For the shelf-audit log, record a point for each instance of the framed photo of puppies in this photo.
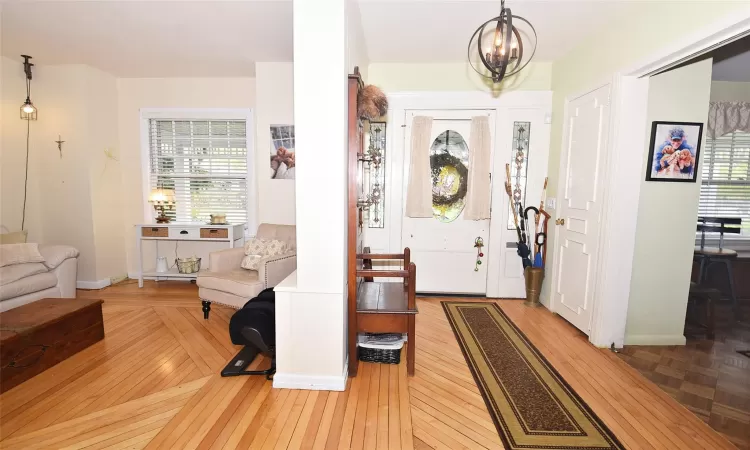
(674, 150)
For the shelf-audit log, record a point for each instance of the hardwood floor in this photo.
(709, 377)
(153, 383)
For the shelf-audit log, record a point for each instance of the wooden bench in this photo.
(388, 307)
(372, 306)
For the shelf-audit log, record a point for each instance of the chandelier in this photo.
(501, 51)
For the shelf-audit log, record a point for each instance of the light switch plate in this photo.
(551, 203)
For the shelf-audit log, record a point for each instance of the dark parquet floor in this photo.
(708, 377)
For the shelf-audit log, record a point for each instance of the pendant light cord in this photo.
(26, 177)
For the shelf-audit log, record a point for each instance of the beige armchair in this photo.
(228, 284)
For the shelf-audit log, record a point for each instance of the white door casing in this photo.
(503, 265)
(444, 252)
(582, 164)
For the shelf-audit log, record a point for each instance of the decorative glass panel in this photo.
(449, 162)
(519, 166)
(376, 158)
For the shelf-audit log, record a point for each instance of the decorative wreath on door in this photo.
(440, 162)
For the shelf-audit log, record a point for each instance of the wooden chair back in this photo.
(721, 225)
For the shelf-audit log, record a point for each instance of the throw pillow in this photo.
(19, 254)
(17, 237)
(257, 249)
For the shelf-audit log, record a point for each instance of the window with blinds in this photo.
(725, 188)
(205, 162)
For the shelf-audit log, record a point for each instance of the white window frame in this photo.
(246, 114)
(731, 241)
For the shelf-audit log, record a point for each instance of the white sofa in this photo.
(57, 281)
(228, 284)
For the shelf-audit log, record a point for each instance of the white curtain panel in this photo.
(478, 189)
(419, 190)
(727, 117)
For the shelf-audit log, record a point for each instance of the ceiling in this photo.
(151, 39)
(132, 38)
(439, 31)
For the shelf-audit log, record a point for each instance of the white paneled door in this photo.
(579, 206)
(442, 246)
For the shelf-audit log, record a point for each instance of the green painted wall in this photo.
(651, 28)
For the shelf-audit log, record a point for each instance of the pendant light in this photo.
(496, 49)
(28, 110)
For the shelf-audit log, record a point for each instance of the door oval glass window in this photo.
(449, 166)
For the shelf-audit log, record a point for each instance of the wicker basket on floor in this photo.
(380, 348)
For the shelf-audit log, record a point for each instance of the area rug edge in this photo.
(483, 391)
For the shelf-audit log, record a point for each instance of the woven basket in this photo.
(389, 353)
(188, 265)
(380, 355)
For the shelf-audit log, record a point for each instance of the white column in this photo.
(311, 304)
(320, 125)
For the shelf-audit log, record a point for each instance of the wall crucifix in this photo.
(59, 142)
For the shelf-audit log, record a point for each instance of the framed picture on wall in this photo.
(282, 152)
(674, 151)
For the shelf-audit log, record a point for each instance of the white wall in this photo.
(356, 47)
(274, 106)
(395, 77)
(91, 200)
(136, 93)
(12, 157)
(67, 202)
(667, 214)
(105, 176)
(730, 91)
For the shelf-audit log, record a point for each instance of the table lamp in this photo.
(163, 200)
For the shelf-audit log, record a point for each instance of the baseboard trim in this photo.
(134, 276)
(656, 339)
(311, 382)
(100, 284)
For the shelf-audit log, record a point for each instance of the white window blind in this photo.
(725, 188)
(205, 162)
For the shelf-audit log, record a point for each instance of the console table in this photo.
(233, 235)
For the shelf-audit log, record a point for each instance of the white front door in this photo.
(586, 125)
(442, 247)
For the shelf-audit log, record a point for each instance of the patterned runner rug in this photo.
(530, 403)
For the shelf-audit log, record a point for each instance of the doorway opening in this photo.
(698, 254)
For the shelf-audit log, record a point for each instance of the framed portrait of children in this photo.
(674, 151)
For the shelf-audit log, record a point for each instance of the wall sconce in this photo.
(28, 110)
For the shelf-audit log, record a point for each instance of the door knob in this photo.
(560, 222)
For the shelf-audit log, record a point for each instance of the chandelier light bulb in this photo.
(28, 108)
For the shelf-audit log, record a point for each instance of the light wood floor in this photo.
(153, 383)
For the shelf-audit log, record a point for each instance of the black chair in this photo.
(708, 256)
(254, 327)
